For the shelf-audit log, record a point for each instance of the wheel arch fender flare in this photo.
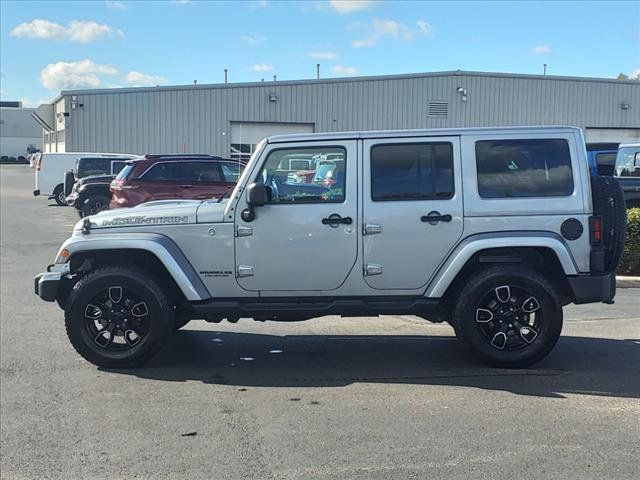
(160, 246)
(471, 245)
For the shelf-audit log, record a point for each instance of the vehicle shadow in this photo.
(577, 365)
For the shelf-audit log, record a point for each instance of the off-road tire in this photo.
(160, 313)
(59, 196)
(608, 201)
(93, 205)
(482, 281)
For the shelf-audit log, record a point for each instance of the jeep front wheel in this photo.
(118, 317)
(509, 316)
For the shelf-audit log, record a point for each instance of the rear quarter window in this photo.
(524, 168)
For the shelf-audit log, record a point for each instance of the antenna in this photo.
(544, 69)
(225, 75)
(318, 71)
(274, 78)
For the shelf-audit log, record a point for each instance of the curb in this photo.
(627, 282)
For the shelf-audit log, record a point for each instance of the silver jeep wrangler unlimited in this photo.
(492, 230)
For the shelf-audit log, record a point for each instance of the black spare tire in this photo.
(608, 202)
(69, 180)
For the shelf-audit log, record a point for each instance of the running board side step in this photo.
(290, 309)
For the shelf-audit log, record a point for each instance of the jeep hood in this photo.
(159, 212)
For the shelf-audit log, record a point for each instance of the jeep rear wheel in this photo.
(117, 317)
(509, 316)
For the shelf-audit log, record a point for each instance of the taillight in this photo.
(595, 230)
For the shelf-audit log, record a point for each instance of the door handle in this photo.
(334, 219)
(435, 217)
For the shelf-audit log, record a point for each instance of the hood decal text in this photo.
(142, 220)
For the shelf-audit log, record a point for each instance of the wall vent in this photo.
(437, 108)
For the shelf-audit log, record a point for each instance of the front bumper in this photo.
(47, 284)
(72, 200)
(593, 288)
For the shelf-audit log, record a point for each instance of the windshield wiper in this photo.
(224, 194)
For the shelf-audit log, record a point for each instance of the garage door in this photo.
(246, 135)
(612, 135)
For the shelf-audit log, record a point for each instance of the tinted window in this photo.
(524, 168)
(116, 167)
(183, 172)
(276, 173)
(411, 171)
(93, 166)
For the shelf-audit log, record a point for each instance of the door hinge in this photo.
(242, 231)
(371, 229)
(372, 269)
(245, 271)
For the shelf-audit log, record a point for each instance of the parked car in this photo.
(89, 191)
(168, 177)
(627, 172)
(493, 230)
(602, 158)
(50, 172)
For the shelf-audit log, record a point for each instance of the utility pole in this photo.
(544, 68)
(225, 75)
(318, 71)
(274, 78)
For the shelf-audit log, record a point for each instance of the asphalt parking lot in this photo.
(331, 398)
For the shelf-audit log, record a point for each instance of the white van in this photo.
(50, 170)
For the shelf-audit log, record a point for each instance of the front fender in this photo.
(475, 243)
(161, 246)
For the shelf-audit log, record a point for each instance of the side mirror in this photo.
(257, 195)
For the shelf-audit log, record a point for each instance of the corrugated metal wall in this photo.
(197, 119)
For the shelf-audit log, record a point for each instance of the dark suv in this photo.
(177, 176)
(88, 188)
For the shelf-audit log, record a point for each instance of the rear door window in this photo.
(93, 166)
(412, 171)
(524, 168)
(189, 172)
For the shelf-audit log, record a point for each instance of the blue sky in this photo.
(47, 46)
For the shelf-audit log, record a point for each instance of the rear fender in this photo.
(475, 243)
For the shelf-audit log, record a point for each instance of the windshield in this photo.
(628, 162)
(124, 173)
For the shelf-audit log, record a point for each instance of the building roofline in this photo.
(457, 73)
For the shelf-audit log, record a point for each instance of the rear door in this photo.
(205, 179)
(412, 203)
(162, 181)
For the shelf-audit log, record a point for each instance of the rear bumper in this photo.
(593, 288)
(47, 284)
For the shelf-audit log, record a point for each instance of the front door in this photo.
(305, 238)
(412, 203)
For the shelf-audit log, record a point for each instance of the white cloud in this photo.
(28, 103)
(635, 74)
(67, 75)
(379, 29)
(253, 38)
(345, 7)
(139, 79)
(116, 5)
(424, 27)
(85, 31)
(324, 55)
(81, 31)
(40, 29)
(342, 70)
(261, 67)
(541, 50)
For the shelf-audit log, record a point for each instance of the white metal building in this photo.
(18, 131)
(229, 119)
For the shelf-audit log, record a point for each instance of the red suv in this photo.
(168, 177)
